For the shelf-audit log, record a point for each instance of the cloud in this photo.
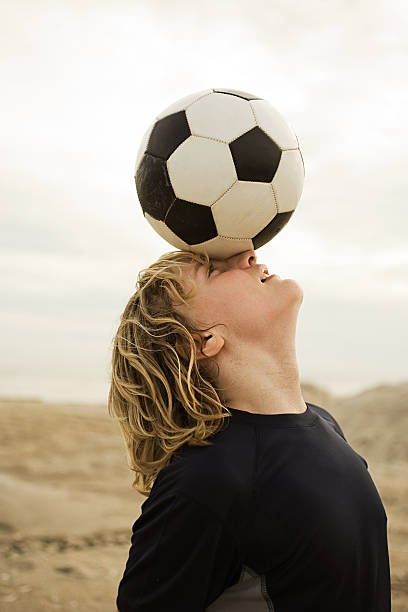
(83, 82)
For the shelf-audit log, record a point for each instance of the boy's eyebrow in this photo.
(199, 265)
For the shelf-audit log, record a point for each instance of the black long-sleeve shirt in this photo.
(280, 514)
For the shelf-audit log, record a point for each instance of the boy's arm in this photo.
(181, 558)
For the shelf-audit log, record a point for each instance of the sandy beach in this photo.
(67, 505)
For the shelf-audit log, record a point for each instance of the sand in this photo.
(67, 505)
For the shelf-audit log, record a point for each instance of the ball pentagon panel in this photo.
(236, 92)
(256, 156)
(153, 186)
(167, 134)
(220, 116)
(191, 222)
(201, 170)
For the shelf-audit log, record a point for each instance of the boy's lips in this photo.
(268, 277)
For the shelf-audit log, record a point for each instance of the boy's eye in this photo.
(210, 269)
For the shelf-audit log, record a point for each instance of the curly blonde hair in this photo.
(162, 397)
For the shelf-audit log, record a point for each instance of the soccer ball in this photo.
(219, 171)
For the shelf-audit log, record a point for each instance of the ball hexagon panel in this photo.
(244, 210)
(222, 247)
(273, 124)
(165, 232)
(256, 156)
(195, 160)
(193, 223)
(220, 116)
(303, 163)
(153, 186)
(288, 180)
(268, 232)
(183, 103)
(167, 134)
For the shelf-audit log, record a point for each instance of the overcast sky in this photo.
(81, 82)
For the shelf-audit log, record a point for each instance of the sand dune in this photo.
(67, 505)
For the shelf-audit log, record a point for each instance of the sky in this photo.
(82, 81)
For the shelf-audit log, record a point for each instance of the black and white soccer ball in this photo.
(219, 171)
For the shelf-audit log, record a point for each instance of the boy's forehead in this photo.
(192, 271)
(195, 269)
(197, 266)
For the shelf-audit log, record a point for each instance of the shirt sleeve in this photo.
(181, 558)
(329, 417)
(339, 430)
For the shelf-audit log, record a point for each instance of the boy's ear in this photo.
(209, 346)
